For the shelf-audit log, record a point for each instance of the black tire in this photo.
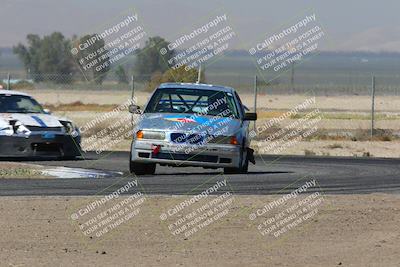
(244, 166)
(142, 168)
(69, 158)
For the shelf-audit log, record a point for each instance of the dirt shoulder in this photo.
(333, 148)
(351, 230)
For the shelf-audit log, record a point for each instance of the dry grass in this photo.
(334, 146)
(79, 106)
(350, 116)
(10, 170)
(308, 152)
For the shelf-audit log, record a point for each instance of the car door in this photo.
(245, 124)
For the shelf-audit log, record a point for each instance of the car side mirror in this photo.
(47, 111)
(250, 117)
(134, 109)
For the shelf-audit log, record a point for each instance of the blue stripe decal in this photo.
(39, 120)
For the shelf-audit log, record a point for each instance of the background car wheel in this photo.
(69, 158)
(142, 168)
(244, 164)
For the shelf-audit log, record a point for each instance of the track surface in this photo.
(271, 175)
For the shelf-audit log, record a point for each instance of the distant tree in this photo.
(99, 70)
(48, 58)
(55, 57)
(179, 75)
(30, 55)
(149, 59)
(121, 75)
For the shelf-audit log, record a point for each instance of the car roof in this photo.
(201, 86)
(11, 92)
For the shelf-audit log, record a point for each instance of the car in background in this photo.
(190, 124)
(28, 130)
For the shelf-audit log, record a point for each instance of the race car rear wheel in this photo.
(142, 168)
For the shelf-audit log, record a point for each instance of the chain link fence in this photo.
(284, 84)
(345, 101)
(349, 102)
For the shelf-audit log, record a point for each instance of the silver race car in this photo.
(27, 130)
(186, 124)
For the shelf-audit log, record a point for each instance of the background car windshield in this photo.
(19, 104)
(206, 102)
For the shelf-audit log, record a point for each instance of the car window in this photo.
(240, 104)
(206, 102)
(19, 104)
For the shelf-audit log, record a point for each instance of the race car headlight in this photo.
(153, 135)
(70, 128)
(19, 128)
(8, 130)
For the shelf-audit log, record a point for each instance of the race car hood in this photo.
(189, 122)
(31, 119)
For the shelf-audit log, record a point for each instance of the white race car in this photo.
(187, 124)
(28, 130)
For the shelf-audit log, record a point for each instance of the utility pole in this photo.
(133, 86)
(132, 98)
(199, 75)
(292, 77)
(8, 81)
(255, 98)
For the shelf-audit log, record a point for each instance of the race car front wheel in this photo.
(142, 168)
(244, 164)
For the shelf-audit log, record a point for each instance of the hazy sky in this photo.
(350, 25)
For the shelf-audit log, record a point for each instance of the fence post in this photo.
(132, 98)
(133, 87)
(255, 98)
(8, 81)
(292, 77)
(372, 104)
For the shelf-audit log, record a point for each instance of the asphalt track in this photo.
(271, 175)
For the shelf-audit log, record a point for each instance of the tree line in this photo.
(49, 58)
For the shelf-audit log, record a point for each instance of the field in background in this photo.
(341, 82)
(320, 74)
(343, 131)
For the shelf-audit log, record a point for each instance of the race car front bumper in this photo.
(40, 146)
(167, 153)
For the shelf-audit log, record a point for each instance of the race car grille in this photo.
(44, 147)
(186, 157)
(178, 137)
(44, 129)
(183, 138)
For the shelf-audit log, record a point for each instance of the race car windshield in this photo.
(204, 102)
(19, 104)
